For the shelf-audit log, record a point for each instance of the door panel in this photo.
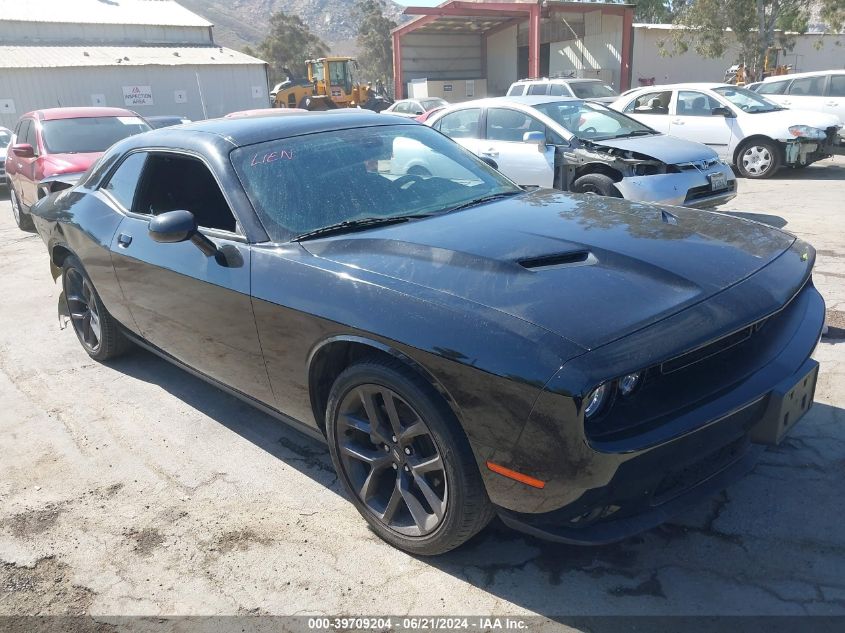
(694, 121)
(805, 93)
(834, 102)
(520, 161)
(192, 306)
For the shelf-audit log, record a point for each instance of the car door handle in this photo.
(124, 240)
(832, 103)
(786, 102)
(677, 122)
(491, 153)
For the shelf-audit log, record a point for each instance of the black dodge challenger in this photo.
(583, 367)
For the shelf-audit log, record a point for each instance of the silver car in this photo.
(5, 141)
(584, 147)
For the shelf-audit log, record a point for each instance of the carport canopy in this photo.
(456, 17)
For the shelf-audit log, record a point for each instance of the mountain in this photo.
(238, 23)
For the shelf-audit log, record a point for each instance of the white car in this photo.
(5, 141)
(412, 108)
(578, 146)
(747, 130)
(589, 89)
(822, 91)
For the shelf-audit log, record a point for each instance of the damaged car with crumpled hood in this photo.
(579, 146)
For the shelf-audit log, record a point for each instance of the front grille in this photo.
(704, 191)
(700, 165)
(677, 482)
(711, 349)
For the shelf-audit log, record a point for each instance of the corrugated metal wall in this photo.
(225, 88)
(135, 34)
(441, 56)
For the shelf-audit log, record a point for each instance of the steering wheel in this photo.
(403, 182)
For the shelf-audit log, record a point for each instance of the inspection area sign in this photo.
(137, 95)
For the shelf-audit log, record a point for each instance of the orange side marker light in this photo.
(512, 474)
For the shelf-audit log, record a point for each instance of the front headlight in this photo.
(595, 400)
(627, 384)
(805, 131)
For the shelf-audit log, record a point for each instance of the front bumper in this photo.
(690, 188)
(664, 481)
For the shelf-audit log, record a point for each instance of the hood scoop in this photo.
(558, 260)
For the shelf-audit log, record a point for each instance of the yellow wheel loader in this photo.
(332, 83)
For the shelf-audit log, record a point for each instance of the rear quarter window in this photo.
(516, 90)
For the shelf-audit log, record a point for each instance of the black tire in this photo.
(758, 159)
(464, 508)
(596, 183)
(22, 218)
(97, 331)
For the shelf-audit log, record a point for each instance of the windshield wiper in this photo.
(482, 200)
(633, 133)
(348, 226)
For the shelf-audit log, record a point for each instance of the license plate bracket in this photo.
(788, 403)
(718, 181)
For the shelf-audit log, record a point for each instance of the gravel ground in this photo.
(134, 488)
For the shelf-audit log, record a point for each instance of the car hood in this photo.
(69, 163)
(669, 149)
(590, 269)
(786, 118)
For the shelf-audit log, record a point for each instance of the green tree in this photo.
(653, 11)
(755, 26)
(375, 44)
(288, 44)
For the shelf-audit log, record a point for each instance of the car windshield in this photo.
(430, 104)
(592, 121)
(5, 138)
(592, 89)
(89, 134)
(746, 100)
(302, 184)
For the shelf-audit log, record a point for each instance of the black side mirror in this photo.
(489, 161)
(179, 226)
(419, 112)
(722, 111)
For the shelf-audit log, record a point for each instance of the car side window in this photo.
(538, 89)
(30, 136)
(173, 182)
(124, 181)
(516, 90)
(772, 87)
(510, 125)
(401, 108)
(651, 103)
(807, 86)
(837, 86)
(461, 124)
(20, 131)
(558, 90)
(691, 103)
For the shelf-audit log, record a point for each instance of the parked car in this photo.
(590, 89)
(165, 120)
(579, 146)
(412, 108)
(5, 141)
(747, 130)
(52, 148)
(822, 91)
(582, 366)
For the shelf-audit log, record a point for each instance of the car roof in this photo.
(247, 130)
(559, 80)
(51, 114)
(701, 85)
(529, 100)
(811, 73)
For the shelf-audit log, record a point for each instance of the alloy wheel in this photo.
(757, 160)
(391, 460)
(82, 306)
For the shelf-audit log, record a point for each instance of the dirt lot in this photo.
(135, 488)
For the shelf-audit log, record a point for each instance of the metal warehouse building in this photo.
(473, 49)
(152, 56)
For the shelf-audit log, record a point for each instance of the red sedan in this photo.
(52, 148)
